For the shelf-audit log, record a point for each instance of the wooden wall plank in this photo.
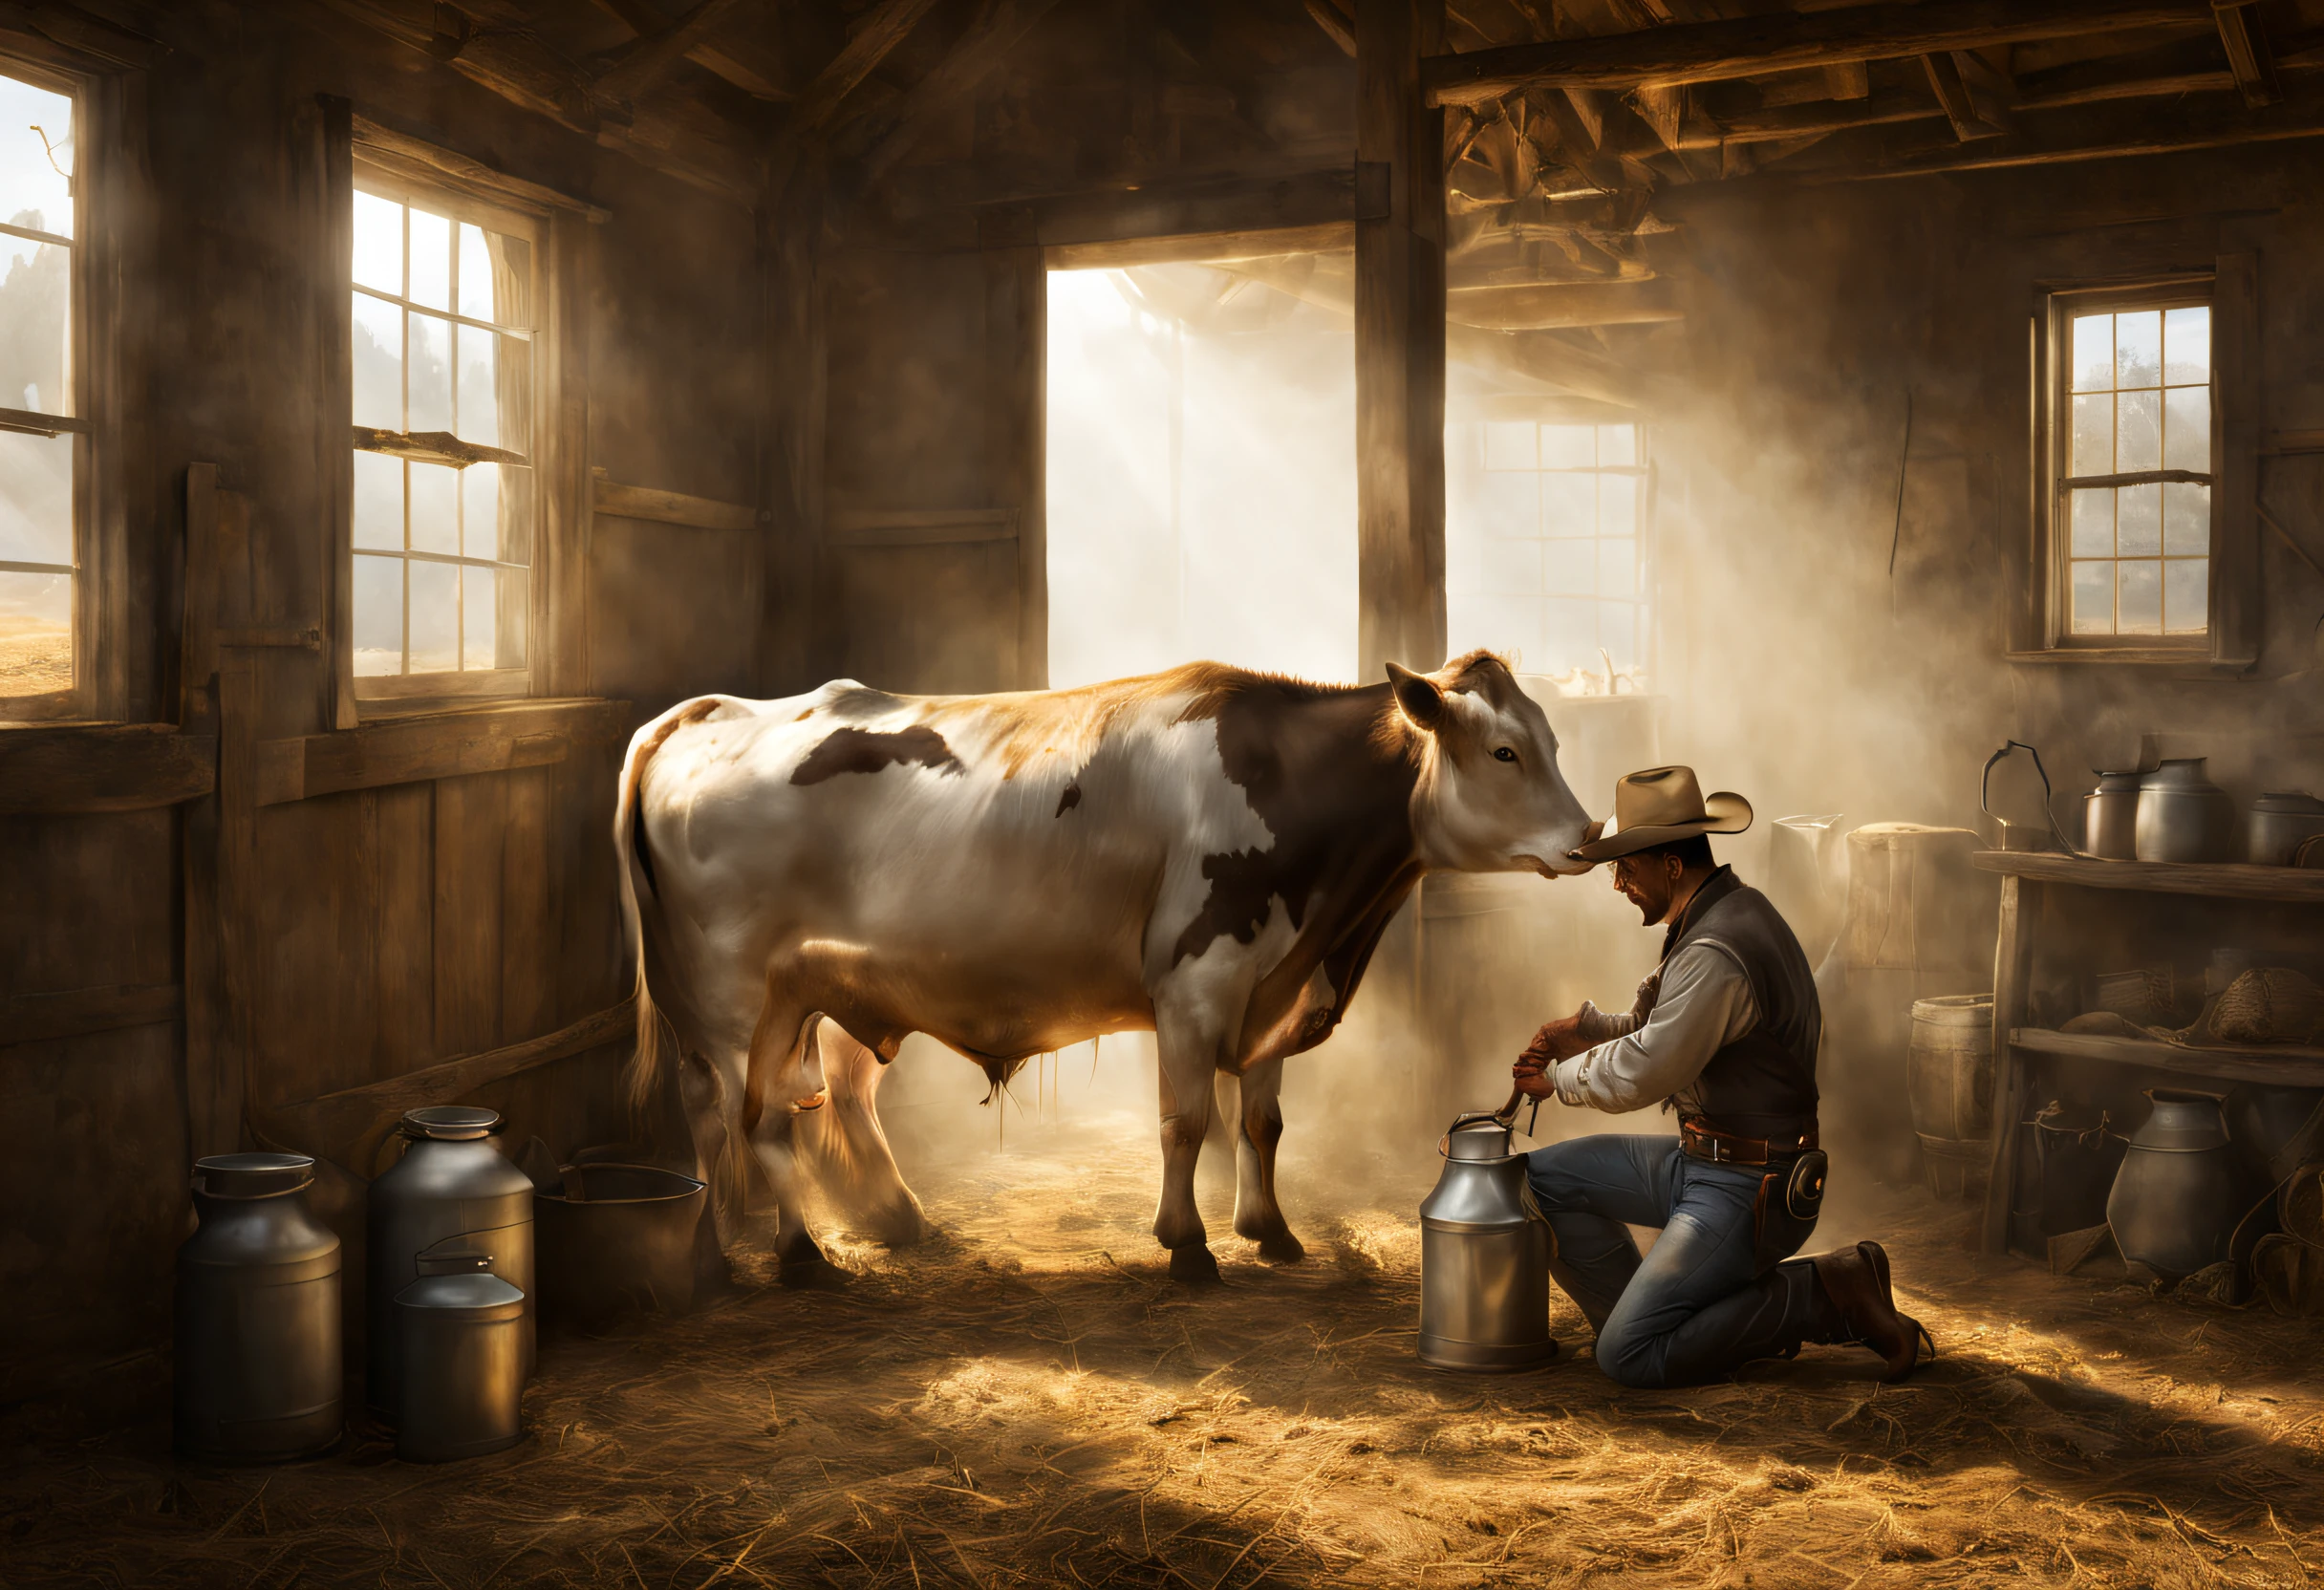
(404, 850)
(319, 938)
(529, 930)
(471, 818)
(85, 902)
(1016, 359)
(41, 1017)
(103, 767)
(669, 507)
(529, 734)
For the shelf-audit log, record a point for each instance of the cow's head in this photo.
(1489, 797)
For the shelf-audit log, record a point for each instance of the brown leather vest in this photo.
(1762, 1084)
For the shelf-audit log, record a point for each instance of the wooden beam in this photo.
(1947, 80)
(858, 58)
(433, 447)
(493, 740)
(1744, 46)
(83, 31)
(349, 1127)
(1537, 306)
(893, 129)
(1848, 80)
(1208, 248)
(44, 1018)
(425, 151)
(1225, 207)
(646, 60)
(669, 507)
(1400, 342)
(2247, 54)
(2109, 133)
(1335, 27)
(1815, 120)
(739, 60)
(103, 767)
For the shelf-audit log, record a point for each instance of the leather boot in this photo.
(1856, 1281)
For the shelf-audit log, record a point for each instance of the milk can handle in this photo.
(2049, 796)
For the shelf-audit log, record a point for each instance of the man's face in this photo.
(1649, 882)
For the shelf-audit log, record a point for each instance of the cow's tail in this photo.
(657, 1038)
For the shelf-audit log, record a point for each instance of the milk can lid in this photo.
(474, 1294)
(251, 1175)
(450, 1123)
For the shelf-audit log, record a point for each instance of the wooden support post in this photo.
(2013, 980)
(1016, 337)
(1400, 341)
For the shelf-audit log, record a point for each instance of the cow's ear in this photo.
(1421, 697)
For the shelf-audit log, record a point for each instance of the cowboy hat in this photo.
(1662, 805)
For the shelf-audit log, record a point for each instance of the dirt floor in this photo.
(1027, 1400)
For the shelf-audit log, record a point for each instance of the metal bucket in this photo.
(2174, 1201)
(258, 1377)
(460, 1338)
(452, 1189)
(1484, 1256)
(615, 1239)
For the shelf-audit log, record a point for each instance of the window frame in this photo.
(375, 692)
(2042, 629)
(97, 609)
(2179, 291)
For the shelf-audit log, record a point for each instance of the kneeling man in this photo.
(1725, 1031)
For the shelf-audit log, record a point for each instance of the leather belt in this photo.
(1727, 1147)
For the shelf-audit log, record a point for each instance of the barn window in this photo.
(1544, 539)
(444, 506)
(43, 442)
(2131, 517)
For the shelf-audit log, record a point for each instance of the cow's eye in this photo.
(1504, 754)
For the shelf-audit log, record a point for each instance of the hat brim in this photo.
(1723, 812)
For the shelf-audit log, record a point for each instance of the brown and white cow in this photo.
(1210, 854)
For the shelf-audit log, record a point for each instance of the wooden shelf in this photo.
(2283, 1066)
(2216, 880)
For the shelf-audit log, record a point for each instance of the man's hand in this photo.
(1558, 1040)
(1531, 1081)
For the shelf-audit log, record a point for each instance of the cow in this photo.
(1208, 852)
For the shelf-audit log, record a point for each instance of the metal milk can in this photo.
(258, 1371)
(461, 1341)
(2174, 1202)
(450, 1190)
(1484, 1256)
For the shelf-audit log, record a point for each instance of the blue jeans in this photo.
(1714, 1292)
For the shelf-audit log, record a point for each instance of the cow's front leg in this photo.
(1258, 1129)
(1190, 1056)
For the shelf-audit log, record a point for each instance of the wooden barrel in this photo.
(1949, 1070)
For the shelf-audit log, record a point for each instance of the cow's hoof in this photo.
(1193, 1265)
(1280, 1247)
(812, 1275)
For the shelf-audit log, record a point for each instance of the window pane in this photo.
(1509, 444)
(2094, 523)
(36, 189)
(475, 273)
(1616, 444)
(435, 489)
(2138, 598)
(1513, 568)
(1569, 504)
(480, 410)
(430, 260)
(36, 318)
(1510, 624)
(1510, 503)
(2093, 436)
(2186, 428)
(35, 498)
(2186, 344)
(1617, 504)
(1569, 636)
(2092, 353)
(479, 616)
(2186, 520)
(378, 364)
(2137, 349)
(2186, 595)
(2093, 612)
(480, 511)
(379, 502)
(1617, 632)
(1569, 447)
(1572, 568)
(35, 634)
(378, 243)
(1618, 568)
(2138, 442)
(434, 617)
(379, 616)
(429, 403)
(2138, 527)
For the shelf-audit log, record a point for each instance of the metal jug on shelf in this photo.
(2110, 816)
(2010, 833)
(450, 1190)
(2174, 1202)
(258, 1375)
(2184, 816)
(1484, 1254)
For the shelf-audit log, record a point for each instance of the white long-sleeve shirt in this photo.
(1705, 1003)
